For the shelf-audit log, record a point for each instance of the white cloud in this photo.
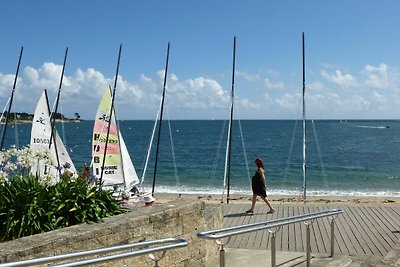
(205, 97)
(380, 77)
(248, 76)
(271, 85)
(344, 80)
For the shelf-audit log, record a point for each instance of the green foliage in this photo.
(28, 207)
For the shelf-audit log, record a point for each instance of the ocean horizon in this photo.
(349, 158)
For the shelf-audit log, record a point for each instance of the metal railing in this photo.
(169, 243)
(273, 227)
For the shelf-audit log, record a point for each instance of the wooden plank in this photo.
(370, 232)
(248, 239)
(345, 241)
(392, 224)
(292, 230)
(362, 229)
(353, 222)
(239, 220)
(299, 231)
(381, 225)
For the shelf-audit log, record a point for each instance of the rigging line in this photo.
(4, 110)
(111, 113)
(226, 160)
(149, 147)
(53, 118)
(119, 137)
(16, 128)
(173, 150)
(285, 174)
(320, 156)
(11, 100)
(62, 127)
(287, 167)
(244, 148)
(103, 125)
(160, 122)
(216, 159)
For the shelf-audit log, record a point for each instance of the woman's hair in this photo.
(260, 163)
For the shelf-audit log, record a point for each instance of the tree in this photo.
(77, 116)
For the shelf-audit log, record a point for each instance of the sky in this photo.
(352, 57)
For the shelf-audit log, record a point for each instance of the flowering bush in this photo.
(16, 162)
(30, 205)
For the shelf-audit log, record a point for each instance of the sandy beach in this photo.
(246, 199)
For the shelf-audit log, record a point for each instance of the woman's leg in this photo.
(271, 209)
(253, 202)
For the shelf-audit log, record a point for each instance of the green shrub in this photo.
(28, 207)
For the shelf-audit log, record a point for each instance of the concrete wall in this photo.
(178, 218)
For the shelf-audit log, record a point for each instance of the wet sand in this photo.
(246, 199)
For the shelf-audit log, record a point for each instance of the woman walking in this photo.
(259, 188)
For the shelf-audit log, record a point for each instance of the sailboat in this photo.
(40, 143)
(118, 169)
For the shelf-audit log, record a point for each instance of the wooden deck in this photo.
(362, 229)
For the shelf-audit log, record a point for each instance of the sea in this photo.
(353, 158)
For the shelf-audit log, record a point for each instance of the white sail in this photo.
(118, 166)
(130, 176)
(39, 143)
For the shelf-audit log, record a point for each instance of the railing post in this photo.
(308, 245)
(273, 250)
(221, 256)
(332, 236)
(157, 258)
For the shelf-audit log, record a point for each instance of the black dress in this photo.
(257, 185)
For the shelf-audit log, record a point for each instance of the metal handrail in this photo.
(176, 243)
(228, 232)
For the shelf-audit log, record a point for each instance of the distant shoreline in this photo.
(29, 121)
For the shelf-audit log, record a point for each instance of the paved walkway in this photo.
(361, 230)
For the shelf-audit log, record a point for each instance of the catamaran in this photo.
(43, 141)
(118, 169)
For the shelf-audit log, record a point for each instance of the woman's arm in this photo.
(262, 171)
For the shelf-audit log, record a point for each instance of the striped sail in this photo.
(118, 167)
(39, 143)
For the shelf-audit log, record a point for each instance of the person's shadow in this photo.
(235, 215)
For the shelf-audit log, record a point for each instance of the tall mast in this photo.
(119, 141)
(111, 111)
(160, 121)
(11, 99)
(229, 149)
(54, 114)
(304, 123)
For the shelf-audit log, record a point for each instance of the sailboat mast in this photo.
(160, 121)
(119, 142)
(11, 99)
(53, 115)
(304, 123)
(111, 111)
(231, 121)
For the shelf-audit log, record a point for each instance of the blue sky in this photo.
(352, 56)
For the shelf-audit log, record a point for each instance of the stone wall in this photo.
(180, 218)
